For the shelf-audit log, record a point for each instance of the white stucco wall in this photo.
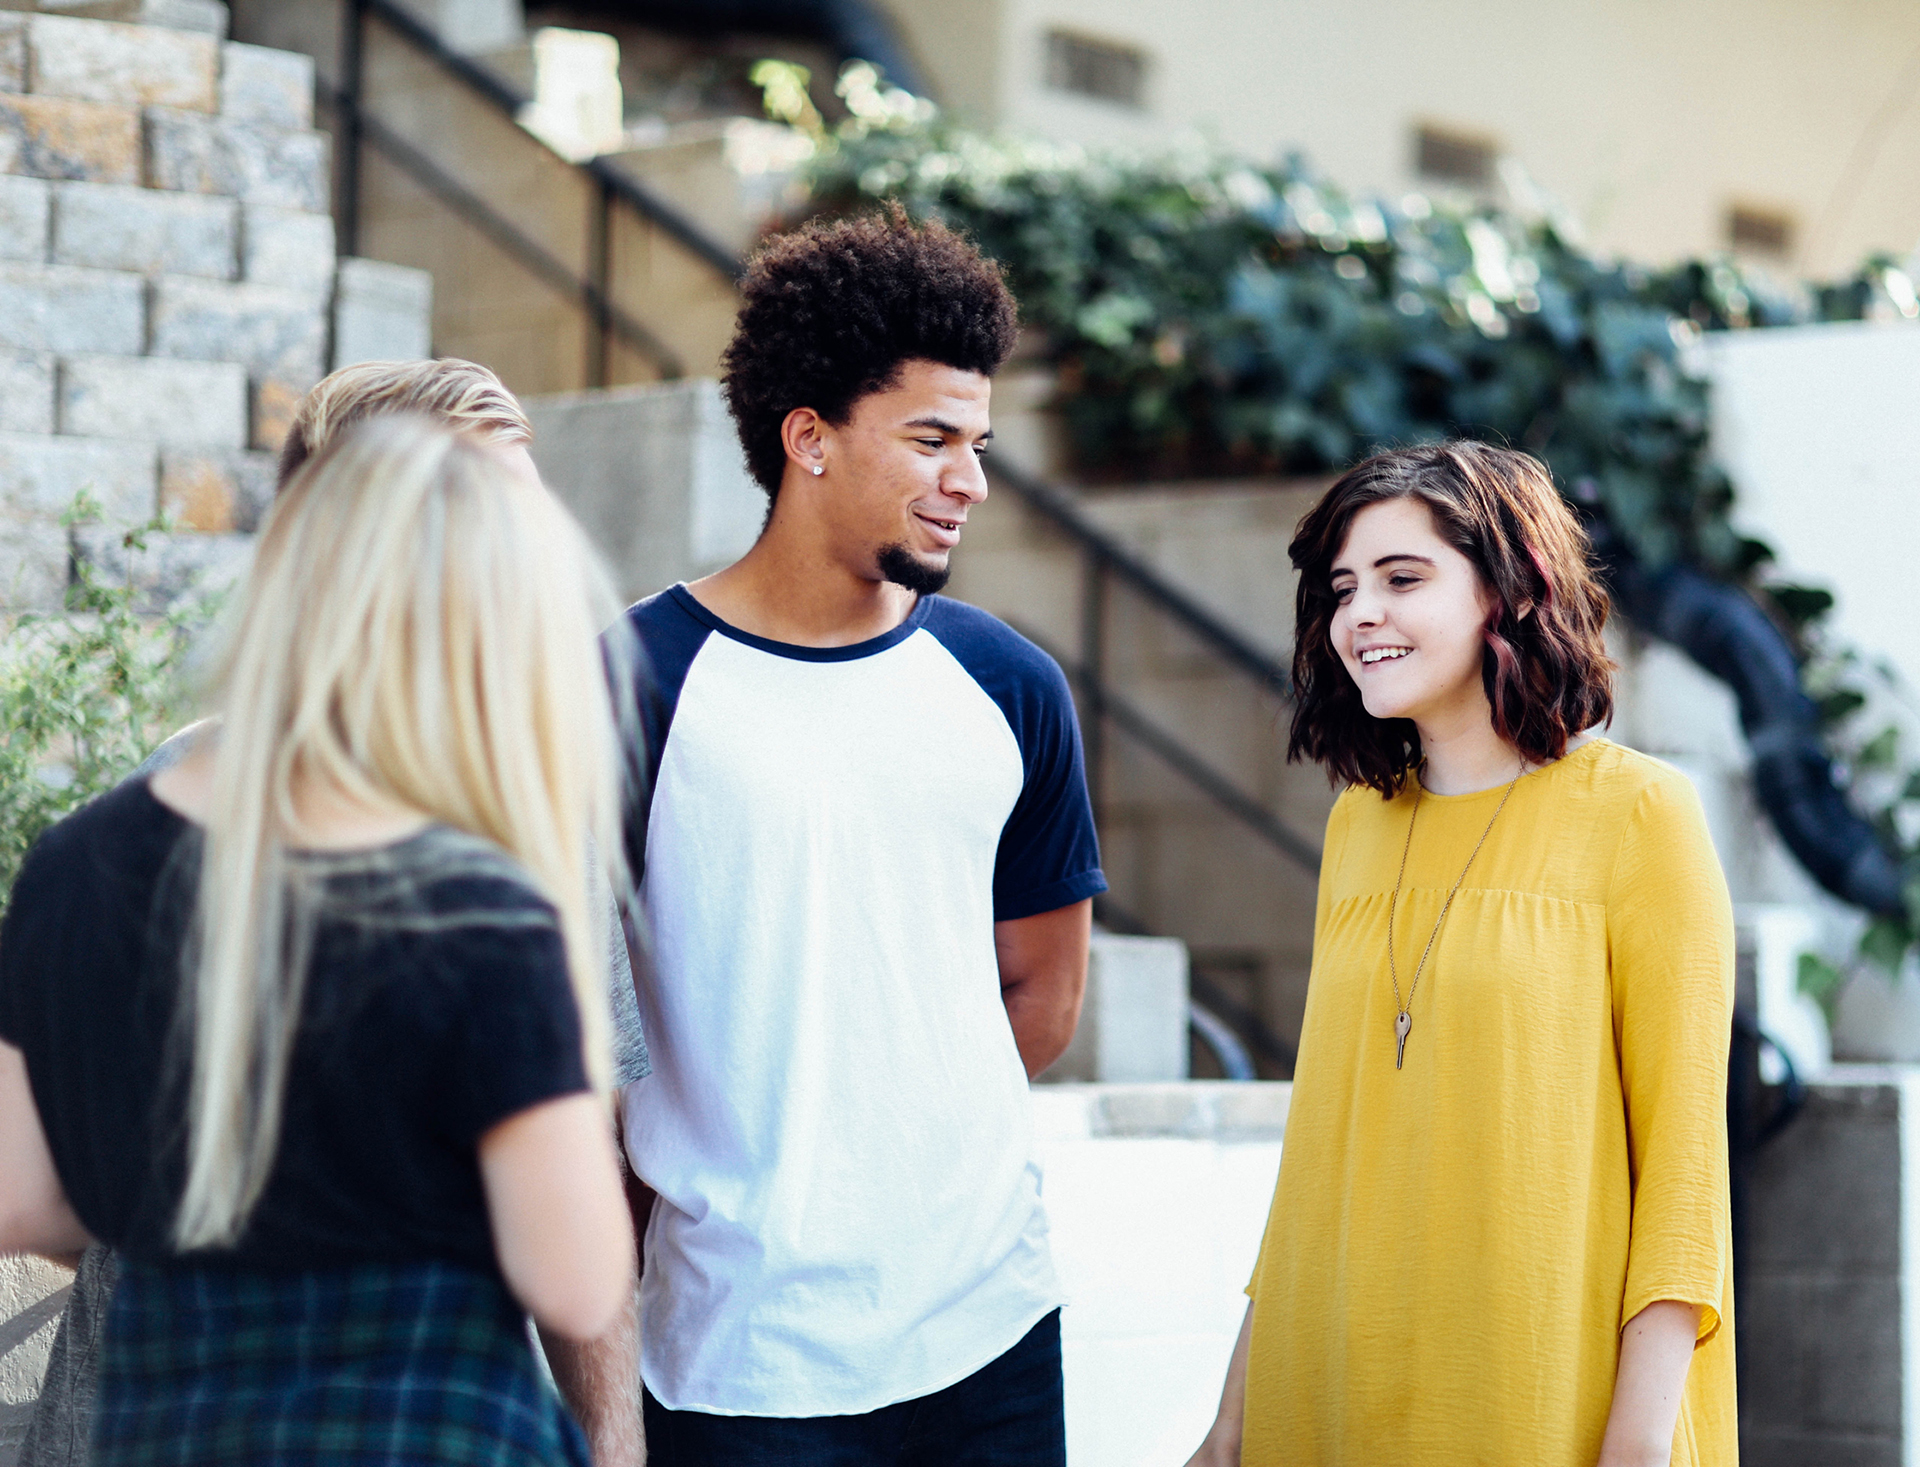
(1647, 120)
(1819, 427)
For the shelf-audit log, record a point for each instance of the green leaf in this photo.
(1885, 943)
(1838, 706)
(1818, 979)
(1881, 751)
(1801, 604)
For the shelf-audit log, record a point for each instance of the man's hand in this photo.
(1043, 977)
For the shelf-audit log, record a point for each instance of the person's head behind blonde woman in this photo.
(418, 634)
(462, 396)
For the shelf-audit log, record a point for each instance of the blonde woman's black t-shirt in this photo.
(436, 1005)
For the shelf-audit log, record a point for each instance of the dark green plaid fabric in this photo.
(387, 1364)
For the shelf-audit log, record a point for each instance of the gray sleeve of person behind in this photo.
(63, 1416)
(630, 1059)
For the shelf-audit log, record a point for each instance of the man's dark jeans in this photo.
(1010, 1413)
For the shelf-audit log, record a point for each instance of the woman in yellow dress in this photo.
(1500, 1233)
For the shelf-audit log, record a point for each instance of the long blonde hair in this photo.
(417, 627)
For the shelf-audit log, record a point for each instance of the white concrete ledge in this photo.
(1194, 1110)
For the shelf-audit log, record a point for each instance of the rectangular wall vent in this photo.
(1104, 69)
(1759, 231)
(1455, 157)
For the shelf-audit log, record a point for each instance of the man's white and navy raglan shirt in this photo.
(838, 1120)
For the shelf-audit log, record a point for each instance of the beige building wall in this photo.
(1649, 121)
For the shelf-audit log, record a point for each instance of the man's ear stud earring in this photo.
(819, 469)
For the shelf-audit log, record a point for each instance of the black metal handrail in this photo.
(494, 89)
(609, 316)
(1058, 506)
(1187, 764)
(608, 185)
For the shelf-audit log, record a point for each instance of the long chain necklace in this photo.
(1402, 1009)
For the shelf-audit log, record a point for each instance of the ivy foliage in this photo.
(1208, 315)
(85, 694)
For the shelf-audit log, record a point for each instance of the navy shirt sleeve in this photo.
(665, 634)
(1049, 853)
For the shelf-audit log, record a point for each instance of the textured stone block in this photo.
(272, 409)
(217, 491)
(272, 88)
(205, 17)
(25, 204)
(13, 53)
(175, 404)
(62, 308)
(114, 227)
(33, 566)
(274, 332)
(216, 155)
(59, 137)
(287, 248)
(102, 61)
(173, 568)
(381, 313)
(39, 476)
(26, 392)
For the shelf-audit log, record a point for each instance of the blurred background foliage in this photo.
(1210, 316)
(86, 693)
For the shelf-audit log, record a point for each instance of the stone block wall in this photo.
(166, 275)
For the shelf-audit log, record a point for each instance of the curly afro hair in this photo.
(831, 311)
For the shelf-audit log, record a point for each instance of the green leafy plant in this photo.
(1204, 314)
(1871, 721)
(85, 694)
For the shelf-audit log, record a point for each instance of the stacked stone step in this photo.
(166, 269)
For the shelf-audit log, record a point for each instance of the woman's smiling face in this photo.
(1410, 624)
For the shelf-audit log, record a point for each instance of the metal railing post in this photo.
(353, 38)
(1093, 674)
(600, 277)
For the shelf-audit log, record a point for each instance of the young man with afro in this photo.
(869, 862)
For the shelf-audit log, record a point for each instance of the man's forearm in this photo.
(600, 1382)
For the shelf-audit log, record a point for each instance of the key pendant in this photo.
(1402, 1026)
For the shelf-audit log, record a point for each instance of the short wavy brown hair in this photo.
(1546, 668)
(829, 313)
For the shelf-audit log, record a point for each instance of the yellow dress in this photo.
(1453, 1247)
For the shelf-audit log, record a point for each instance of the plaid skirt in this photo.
(387, 1364)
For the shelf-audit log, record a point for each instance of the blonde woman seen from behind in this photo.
(595, 1376)
(344, 966)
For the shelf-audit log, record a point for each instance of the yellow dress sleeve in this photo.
(1671, 948)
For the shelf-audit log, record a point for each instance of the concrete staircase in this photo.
(472, 150)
